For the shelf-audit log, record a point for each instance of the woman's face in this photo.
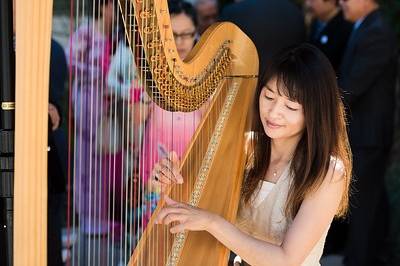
(184, 32)
(280, 117)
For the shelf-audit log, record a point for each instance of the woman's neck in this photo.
(282, 150)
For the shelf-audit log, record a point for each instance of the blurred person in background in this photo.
(329, 31)
(367, 77)
(57, 143)
(207, 13)
(184, 26)
(262, 21)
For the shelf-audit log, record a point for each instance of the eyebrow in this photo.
(271, 90)
(268, 88)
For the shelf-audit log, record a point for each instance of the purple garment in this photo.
(94, 172)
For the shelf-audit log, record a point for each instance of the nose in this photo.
(178, 40)
(275, 109)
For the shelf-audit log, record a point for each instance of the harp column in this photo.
(33, 33)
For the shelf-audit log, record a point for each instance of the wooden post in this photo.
(33, 33)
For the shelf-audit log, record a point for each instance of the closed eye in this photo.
(269, 98)
(291, 109)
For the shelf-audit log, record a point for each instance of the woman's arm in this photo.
(310, 223)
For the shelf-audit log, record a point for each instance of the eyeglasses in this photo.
(184, 36)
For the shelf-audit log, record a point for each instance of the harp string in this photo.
(111, 204)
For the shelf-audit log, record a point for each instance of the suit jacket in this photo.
(270, 24)
(57, 141)
(368, 77)
(332, 39)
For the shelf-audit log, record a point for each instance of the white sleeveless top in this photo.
(265, 217)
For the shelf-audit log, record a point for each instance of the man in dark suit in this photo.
(56, 143)
(367, 78)
(270, 24)
(329, 31)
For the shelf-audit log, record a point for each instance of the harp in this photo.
(221, 70)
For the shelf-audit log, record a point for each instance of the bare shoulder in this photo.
(336, 171)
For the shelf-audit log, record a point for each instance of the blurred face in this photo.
(184, 33)
(281, 117)
(355, 9)
(207, 14)
(321, 9)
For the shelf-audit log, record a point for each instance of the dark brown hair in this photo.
(304, 75)
(177, 7)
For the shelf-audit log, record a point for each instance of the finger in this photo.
(179, 228)
(171, 171)
(168, 172)
(174, 158)
(159, 176)
(174, 217)
(177, 176)
(183, 208)
(163, 178)
(166, 164)
(164, 212)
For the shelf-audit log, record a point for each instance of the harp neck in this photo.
(184, 85)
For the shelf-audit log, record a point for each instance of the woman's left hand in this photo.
(188, 217)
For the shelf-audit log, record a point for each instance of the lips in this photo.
(273, 125)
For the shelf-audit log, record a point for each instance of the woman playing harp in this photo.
(299, 169)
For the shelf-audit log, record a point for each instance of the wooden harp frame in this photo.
(33, 35)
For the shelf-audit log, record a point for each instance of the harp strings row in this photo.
(120, 73)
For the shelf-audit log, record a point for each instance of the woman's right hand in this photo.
(167, 172)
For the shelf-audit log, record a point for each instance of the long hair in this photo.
(304, 75)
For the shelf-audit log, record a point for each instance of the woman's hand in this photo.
(188, 217)
(166, 172)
